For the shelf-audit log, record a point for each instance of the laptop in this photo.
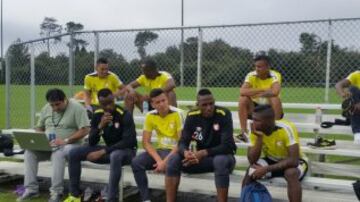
(36, 141)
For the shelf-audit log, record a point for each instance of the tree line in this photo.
(223, 65)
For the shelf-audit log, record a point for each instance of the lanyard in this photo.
(62, 115)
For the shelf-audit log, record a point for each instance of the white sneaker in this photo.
(357, 138)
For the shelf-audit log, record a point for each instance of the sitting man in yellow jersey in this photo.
(166, 121)
(101, 78)
(150, 79)
(261, 86)
(350, 88)
(279, 143)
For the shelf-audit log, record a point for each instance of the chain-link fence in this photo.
(311, 56)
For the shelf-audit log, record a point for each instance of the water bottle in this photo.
(52, 136)
(318, 115)
(193, 146)
(145, 107)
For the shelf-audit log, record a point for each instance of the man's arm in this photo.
(96, 129)
(273, 91)
(128, 134)
(226, 145)
(254, 152)
(185, 137)
(173, 151)
(87, 98)
(146, 141)
(291, 161)
(341, 86)
(247, 90)
(170, 85)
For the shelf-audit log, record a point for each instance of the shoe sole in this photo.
(324, 147)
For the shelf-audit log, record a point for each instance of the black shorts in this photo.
(302, 167)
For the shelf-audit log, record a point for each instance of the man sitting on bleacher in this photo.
(117, 128)
(261, 86)
(166, 121)
(208, 131)
(279, 143)
(67, 120)
(349, 88)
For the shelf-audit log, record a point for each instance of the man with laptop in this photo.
(66, 123)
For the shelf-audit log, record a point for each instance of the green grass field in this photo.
(20, 99)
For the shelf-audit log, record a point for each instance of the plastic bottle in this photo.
(193, 146)
(318, 115)
(145, 107)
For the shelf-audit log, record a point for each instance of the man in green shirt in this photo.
(68, 120)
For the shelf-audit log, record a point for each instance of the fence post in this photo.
(96, 51)
(199, 60)
(182, 58)
(71, 64)
(328, 62)
(32, 86)
(7, 89)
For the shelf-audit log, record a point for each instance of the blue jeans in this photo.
(355, 118)
(117, 159)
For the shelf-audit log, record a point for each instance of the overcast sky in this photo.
(22, 17)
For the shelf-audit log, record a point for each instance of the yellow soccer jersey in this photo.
(354, 78)
(159, 82)
(93, 83)
(275, 146)
(257, 83)
(166, 127)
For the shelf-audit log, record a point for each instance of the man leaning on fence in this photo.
(68, 120)
(349, 89)
(117, 128)
(282, 156)
(166, 121)
(208, 131)
(261, 86)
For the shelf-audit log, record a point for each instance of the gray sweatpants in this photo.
(58, 162)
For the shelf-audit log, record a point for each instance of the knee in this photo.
(75, 154)
(136, 164)
(173, 165)
(223, 164)
(244, 101)
(291, 174)
(116, 156)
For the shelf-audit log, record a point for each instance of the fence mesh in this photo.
(299, 51)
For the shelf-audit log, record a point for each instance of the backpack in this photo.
(6, 145)
(255, 192)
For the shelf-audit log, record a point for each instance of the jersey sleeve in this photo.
(353, 77)
(116, 81)
(87, 83)
(292, 135)
(253, 139)
(277, 77)
(179, 122)
(148, 125)
(141, 80)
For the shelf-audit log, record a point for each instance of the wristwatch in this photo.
(66, 140)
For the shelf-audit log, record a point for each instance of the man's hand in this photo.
(259, 172)
(201, 154)
(189, 159)
(57, 142)
(93, 156)
(345, 94)
(357, 108)
(105, 119)
(160, 166)
(256, 132)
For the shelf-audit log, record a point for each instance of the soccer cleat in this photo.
(322, 143)
(71, 198)
(242, 137)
